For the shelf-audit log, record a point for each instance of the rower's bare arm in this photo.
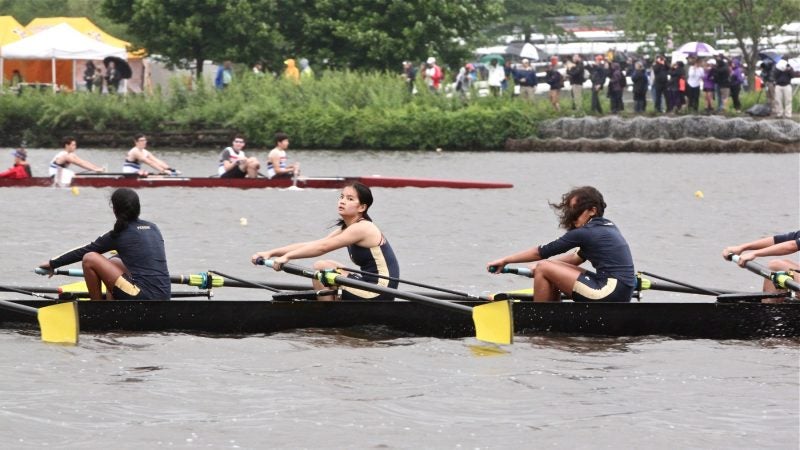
(784, 248)
(529, 255)
(334, 241)
(75, 159)
(755, 245)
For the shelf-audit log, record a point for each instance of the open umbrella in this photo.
(487, 59)
(697, 49)
(770, 54)
(120, 64)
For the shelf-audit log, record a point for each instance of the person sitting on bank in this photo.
(59, 165)
(139, 155)
(21, 168)
(277, 167)
(139, 269)
(778, 245)
(233, 163)
(598, 240)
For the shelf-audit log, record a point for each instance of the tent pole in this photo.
(53, 73)
(2, 72)
(74, 76)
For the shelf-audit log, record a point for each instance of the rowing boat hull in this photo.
(689, 320)
(117, 181)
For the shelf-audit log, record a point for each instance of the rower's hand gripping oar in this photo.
(493, 321)
(521, 271)
(781, 280)
(58, 323)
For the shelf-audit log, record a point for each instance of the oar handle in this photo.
(781, 280)
(67, 272)
(521, 271)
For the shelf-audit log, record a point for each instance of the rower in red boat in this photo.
(139, 269)
(21, 168)
(233, 163)
(59, 165)
(778, 245)
(598, 240)
(365, 243)
(139, 155)
(277, 166)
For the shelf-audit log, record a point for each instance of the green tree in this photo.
(379, 34)
(748, 21)
(539, 16)
(196, 30)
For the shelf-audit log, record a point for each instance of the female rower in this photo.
(598, 240)
(778, 245)
(59, 165)
(365, 243)
(139, 155)
(139, 269)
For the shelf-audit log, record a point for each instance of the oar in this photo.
(521, 271)
(200, 280)
(678, 286)
(781, 280)
(426, 286)
(493, 321)
(58, 323)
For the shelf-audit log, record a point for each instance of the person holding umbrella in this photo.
(117, 69)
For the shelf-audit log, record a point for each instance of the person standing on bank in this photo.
(139, 269)
(277, 167)
(233, 163)
(365, 243)
(139, 155)
(598, 240)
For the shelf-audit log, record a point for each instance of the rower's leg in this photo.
(318, 286)
(552, 277)
(781, 265)
(97, 269)
(252, 167)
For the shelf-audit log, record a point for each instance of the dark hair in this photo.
(67, 140)
(238, 136)
(586, 197)
(364, 198)
(138, 136)
(126, 208)
(280, 136)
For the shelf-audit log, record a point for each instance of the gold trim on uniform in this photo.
(126, 286)
(595, 294)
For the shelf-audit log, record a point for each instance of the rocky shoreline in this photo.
(685, 134)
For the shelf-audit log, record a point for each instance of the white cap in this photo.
(431, 60)
(525, 61)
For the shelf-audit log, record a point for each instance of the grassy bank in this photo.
(340, 110)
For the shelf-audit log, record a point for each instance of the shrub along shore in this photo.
(340, 110)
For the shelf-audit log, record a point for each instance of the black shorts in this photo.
(590, 287)
(349, 293)
(283, 175)
(234, 172)
(126, 289)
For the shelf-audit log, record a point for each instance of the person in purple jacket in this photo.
(778, 245)
(737, 80)
(708, 85)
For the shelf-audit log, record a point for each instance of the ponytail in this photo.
(126, 208)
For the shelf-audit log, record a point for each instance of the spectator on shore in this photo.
(616, 86)
(433, 75)
(525, 78)
(709, 86)
(88, 75)
(306, 72)
(291, 73)
(694, 80)
(464, 80)
(676, 78)
(599, 73)
(507, 70)
(783, 75)
(768, 82)
(224, 75)
(496, 76)
(576, 77)
(113, 77)
(409, 75)
(556, 82)
(258, 69)
(639, 80)
(722, 80)
(737, 81)
(660, 80)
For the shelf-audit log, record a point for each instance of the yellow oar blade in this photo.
(80, 286)
(494, 322)
(59, 323)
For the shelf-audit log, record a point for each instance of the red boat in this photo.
(133, 181)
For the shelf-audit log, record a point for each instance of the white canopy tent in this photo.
(59, 42)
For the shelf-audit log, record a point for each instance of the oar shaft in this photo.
(521, 271)
(344, 281)
(17, 307)
(781, 280)
(413, 283)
